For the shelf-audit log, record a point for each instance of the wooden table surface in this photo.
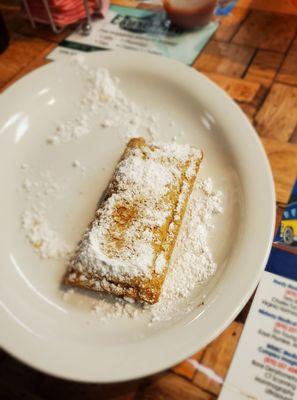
(253, 56)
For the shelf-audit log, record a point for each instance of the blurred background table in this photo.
(253, 56)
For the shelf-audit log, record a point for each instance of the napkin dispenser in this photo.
(61, 13)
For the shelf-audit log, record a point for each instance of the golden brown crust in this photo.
(142, 288)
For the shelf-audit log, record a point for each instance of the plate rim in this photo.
(41, 366)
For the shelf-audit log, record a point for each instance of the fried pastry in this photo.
(127, 247)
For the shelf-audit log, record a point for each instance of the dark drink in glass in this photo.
(190, 14)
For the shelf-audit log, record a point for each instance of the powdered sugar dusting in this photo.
(108, 308)
(39, 194)
(40, 189)
(103, 101)
(160, 263)
(42, 237)
(142, 178)
(192, 263)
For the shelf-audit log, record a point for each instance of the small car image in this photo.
(288, 231)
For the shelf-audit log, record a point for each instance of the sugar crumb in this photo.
(78, 165)
(42, 237)
(66, 294)
(104, 103)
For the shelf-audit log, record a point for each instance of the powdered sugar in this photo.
(39, 194)
(192, 263)
(78, 165)
(142, 182)
(40, 189)
(24, 166)
(108, 308)
(42, 237)
(103, 106)
(67, 294)
(145, 174)
(160, 263)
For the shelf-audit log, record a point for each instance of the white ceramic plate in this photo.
(65, 339)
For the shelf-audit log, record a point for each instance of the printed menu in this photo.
(140, 30)
(265, 363)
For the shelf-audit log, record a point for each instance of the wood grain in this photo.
(44, 32)
(293, 138)
(282, 7)
(276, 6)
(259, 97)
(264, 67)
(36, 63)
(150, 6)
(288, 71)
(267, 31)
(230, 24)
(277, 117)
(244, 4)
(239, 89)
(242, 316)
(20, 53)
(280, 208)
(125, 3)
(217, 357)
(283, 160)
(186, 369)
(224, 58)
(173, 387)
(248, 109)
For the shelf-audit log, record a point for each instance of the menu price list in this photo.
(265, 362)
